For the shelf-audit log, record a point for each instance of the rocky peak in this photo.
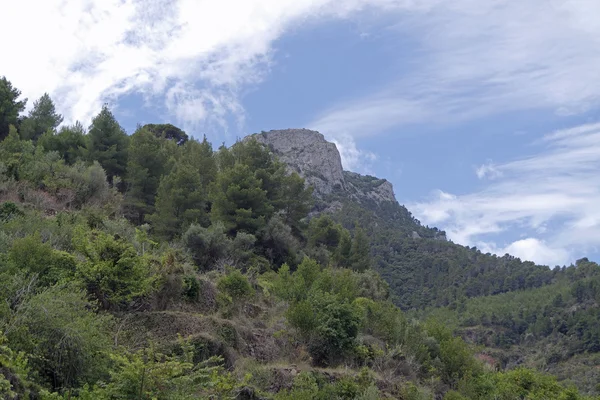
(310, 155)
(319, 163)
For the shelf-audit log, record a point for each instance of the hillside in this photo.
(422, 267)
(153, 266)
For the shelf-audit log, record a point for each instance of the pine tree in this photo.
(182, 197)
(296, 201)
(239, 201)
(42, 118)
(70, 142)
(361, 253)
(147, 163)
(10, 107)
(107, 144)
(343, 254)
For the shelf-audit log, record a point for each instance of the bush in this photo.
(207, 245)
(328, 325)
(112, 272)
(67, 342)
(8, 211)
(235, 285)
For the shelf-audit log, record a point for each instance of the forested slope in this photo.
(152, 266)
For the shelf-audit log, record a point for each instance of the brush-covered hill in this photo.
(153, 266)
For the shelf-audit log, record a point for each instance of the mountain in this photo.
(522, 313)
(422, 267)
(151, 266)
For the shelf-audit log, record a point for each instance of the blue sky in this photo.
(483, 114)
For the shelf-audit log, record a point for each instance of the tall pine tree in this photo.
(183, 193)
(42, 118)
(108, 143)
(147, 163)
(10, 106)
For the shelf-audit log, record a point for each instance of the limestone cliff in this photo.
(319, 163)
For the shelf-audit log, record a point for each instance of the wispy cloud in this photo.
(197, 56)
(478, 58)
(558, 186)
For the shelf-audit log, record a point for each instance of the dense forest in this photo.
(153, 266)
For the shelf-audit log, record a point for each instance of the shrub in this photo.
(112, 271)
(207, 245)
(235, 285)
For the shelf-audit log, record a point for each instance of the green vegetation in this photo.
(151, 266)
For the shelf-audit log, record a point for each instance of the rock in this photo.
(309, 154)
(319, 163)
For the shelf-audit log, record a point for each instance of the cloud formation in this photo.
(558, 186)
(472, 57)
(196, 55)
(479, 58)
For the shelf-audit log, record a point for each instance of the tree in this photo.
(266, 168)
(323, 231)
(107, 144)
(239, 201)
(15, 153)
(343, 253)
(112, 272)
(328, 325)
(296, 201)
(146, 165)
(167, 131)
(66, 340)
(360, 256)
(41, 119)
(10, 107)
(70, 142)
(183, 193)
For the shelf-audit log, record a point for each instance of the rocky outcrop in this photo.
(319, 163)
(310, 155)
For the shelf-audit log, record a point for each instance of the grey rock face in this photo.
(309, 154)
(319, 163)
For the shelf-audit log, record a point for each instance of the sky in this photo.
(484, 114)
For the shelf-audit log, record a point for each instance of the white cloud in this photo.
(353, 159)
(487, 171)
(473, 57)
(558, 186)
(199, 55)
(531, 249)
(478, 58)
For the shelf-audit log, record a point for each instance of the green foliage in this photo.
(13, 372)
(15, 153)
(238, 200)
(167, 131)
(323, 231)
(148, 374)
(76, 256)
(69, 142)
(41, 119)
(32, 256)
(328, 325)
(65, 340)
(112, 271)
(520, 383)
(108, 143)
(207, 245)
(310, 386)
(182, 197)
(10, 106)
(8, 211)
(235, 285)
(146, 164)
